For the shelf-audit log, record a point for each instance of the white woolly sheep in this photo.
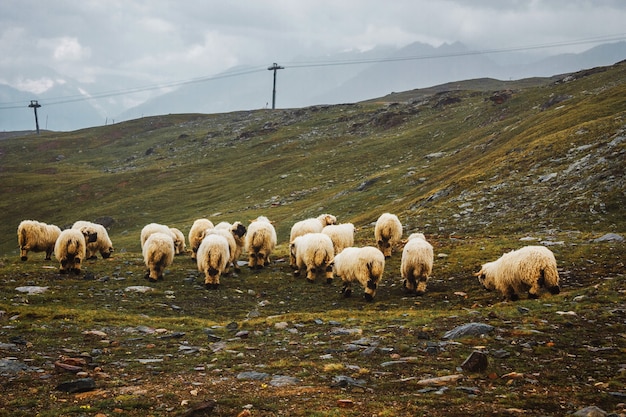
(342, 235)
(196, 234)
(71, 248)
(238, 231)
(102, 245)
(417, 263)
(212, 258)
(179, 241)
(527, 269)
(388, 232)
(158, 253)
(312, 225)
(260, 242)
(154, 228)
(365, 265)
(37, 237)
(314, 254)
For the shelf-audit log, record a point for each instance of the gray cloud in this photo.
(153, 41)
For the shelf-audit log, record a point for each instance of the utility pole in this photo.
(274, 68)
(35, 106)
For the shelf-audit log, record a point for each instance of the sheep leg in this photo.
(421, 286)
(252, 260)
(310, 274)
(511, 294)
(329, 274)
(48, 255)
(347, 289)
(410, 283)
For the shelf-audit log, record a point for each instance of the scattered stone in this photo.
(591, 411)
(469, 390)
(175, 335)
(500, 354)
(32, 289)
(202, 409)
(475, 362)
(438, 381)
(342, 381)
(469, 329)
(78, 385)
(12, 366)
(343, 331)
(256, 376)
(283, 381)
(610, 237)
(138, 288)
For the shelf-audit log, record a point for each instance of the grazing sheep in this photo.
(37, 237)
(71, 248)
(314, 254)
(179, 241)
(154, 228)
(158, 253)
(196, 234)
(238, 231)
(523, 270)
(388, 232)
(342, 235)
(260, 242)
(102, 245)
(312, 225)
(212, 258)
(365, 265)
(417, 263)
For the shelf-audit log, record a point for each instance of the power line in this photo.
(313, 64)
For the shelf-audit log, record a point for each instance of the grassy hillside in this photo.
(481, 167)
(518, 160)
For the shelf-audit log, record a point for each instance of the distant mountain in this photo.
(376, 73)
(69, 113)
(344, 77)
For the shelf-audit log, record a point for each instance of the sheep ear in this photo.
(477, 274)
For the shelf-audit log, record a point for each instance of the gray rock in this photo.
(257, 376)
(592, 411)
(342, 381)
(469, 329)
(610, 237)
(78, 385)
(475, 362)
(283, 381)
(12, 366)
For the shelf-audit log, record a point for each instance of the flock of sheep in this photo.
(318, 247)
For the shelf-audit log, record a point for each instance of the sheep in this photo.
(179, 241)
(71, 248)
(260, 242)
(154, 228)
(37, 237)
(158, 253)
(312, 225)
(212, 258)
(523, 270)
(314, 253)
(388, 232)
(365, 265)
(342, 235)
(102, 245)
(196, 234)
(416, 264)
(238, 232)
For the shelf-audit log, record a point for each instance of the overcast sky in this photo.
(154, 41)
